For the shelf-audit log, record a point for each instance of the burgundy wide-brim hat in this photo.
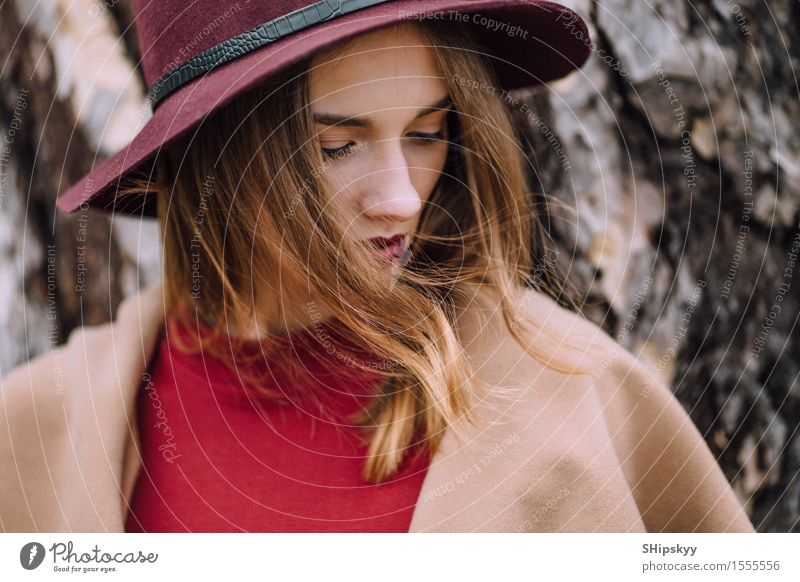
(197, 55)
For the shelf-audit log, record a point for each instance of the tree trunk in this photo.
(68, 94)
(676, 144)
(682, 160)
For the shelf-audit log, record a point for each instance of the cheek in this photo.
(426, 165)
(338, 180)
(341, 182)
(427, 169)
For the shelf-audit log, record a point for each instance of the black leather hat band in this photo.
(246, 42)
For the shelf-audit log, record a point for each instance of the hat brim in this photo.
(556, 43)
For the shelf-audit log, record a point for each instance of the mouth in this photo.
(392, 249)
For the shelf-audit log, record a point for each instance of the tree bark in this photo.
(676, 144)
(683, 166)
(68, 94)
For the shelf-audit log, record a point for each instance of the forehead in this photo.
(389, 64)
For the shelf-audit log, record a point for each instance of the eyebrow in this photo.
(351, 121)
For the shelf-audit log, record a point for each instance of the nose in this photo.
(391, 194)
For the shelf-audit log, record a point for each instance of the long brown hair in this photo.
(243, 196)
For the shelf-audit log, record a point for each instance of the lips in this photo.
(390, 247)
(383, 242)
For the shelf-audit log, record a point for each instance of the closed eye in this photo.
(420, 137)
(337, 152)
(429, 137)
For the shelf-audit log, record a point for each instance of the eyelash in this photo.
(425, 138)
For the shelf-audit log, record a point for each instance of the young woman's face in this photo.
(380, 113)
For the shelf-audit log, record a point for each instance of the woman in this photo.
(295, 374)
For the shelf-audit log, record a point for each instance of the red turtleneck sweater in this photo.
(219, 458)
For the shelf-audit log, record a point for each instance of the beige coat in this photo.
(613, 451)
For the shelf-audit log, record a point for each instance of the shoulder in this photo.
(65, 409)
(568, 343)
(674, 478)
(574, 349)
(40, 393)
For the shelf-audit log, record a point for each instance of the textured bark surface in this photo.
(682, 146)
(69, 96)
(676, 144)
